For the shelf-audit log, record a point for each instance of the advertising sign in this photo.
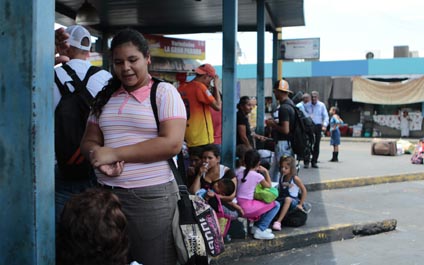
(175, 48)
(299, 49)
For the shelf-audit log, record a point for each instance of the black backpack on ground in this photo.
(295, 218)
(70, 120)
(302, 133)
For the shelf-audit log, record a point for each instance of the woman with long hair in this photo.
(130, 156)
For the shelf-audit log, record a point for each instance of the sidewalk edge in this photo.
(363, 181)
(301, 238)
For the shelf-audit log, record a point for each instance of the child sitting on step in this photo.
(260, 211)
(288, 190)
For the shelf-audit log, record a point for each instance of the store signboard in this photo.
(175, 48)
(299, 49)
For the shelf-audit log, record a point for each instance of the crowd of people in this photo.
(130, 190)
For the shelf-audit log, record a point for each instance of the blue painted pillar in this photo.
(260, 68)
(275, 55)
(229, 48)
(26, 132)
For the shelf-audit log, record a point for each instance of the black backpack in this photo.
(302, 133)
(70, 120)
(295, 218)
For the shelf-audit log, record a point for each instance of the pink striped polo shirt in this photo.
(126, 119)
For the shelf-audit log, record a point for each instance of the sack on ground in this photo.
(295, 218)
(267, 195)
(383, 147)
(197, 232)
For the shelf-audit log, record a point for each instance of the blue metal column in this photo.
(27, 227)
(229, 48)
(260, 69)
(275, 55)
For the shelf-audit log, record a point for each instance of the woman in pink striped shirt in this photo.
(130, 156)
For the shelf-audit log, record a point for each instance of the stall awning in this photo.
(388, 93)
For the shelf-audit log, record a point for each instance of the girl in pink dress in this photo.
(260, 211)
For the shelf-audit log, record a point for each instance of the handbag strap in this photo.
(180, 159)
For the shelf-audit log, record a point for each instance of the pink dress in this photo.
(253, 209)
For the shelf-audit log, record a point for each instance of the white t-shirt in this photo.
(94, 84)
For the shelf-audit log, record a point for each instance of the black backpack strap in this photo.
(62, 88)
(177, 173)
(90, 72)
(78, 85)
(81, 86)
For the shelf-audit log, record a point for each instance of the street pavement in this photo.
(356, 161)
(357, 223)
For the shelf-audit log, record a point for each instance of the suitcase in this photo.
(383, 147)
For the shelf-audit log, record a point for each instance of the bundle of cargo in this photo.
(385, 147)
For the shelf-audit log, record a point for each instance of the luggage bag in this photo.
(383, 147)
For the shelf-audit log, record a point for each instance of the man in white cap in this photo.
(281, 127)
(198, 99)
(79, 42)
(77, 82)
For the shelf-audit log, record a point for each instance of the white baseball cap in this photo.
(76, 34)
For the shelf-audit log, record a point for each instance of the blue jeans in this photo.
(65, 189)
(267, 217)
(282, 148)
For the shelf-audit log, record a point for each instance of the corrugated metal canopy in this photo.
(180, 16)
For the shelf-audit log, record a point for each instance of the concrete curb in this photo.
(301, 238)
(368, 139)
(363, 181)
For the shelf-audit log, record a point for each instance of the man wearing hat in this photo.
(281, 127)
(77, 50)
(198, 99)
(79, 42)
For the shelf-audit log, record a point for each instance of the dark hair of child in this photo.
(228, 187)
(336, 110)
(124, 36)
(229, 174)
(291, 161)
(195, 151)
(241, 150)
(251, 160)
(92, 230)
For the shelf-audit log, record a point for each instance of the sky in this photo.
(347, 29)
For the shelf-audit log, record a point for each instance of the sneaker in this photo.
(263, 234)
(314, 165)
(306, 166)
(255, 228)
(276, 226)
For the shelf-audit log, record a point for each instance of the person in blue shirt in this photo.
(335, 122)
(306, 98)
(318, 112)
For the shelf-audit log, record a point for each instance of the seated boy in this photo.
(224, 187)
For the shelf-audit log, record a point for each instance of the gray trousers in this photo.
(149, 211)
